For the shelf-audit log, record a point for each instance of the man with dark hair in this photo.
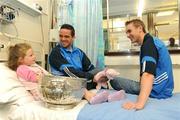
(68, 60)
(156, 76)
(172, 42)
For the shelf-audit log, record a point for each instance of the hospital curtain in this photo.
(64, 12)
(86, 17)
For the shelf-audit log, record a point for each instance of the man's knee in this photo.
(115, 85)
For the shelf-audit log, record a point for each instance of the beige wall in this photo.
(27, 28)
(129, 68)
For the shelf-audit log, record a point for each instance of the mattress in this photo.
(166, 109)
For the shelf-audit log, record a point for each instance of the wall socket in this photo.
(1, 45)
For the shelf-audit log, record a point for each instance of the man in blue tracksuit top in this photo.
(156, 76)
(75, 61)
(67, 60)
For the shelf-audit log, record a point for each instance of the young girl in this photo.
(22, 60)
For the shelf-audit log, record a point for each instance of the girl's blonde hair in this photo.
(15, 52)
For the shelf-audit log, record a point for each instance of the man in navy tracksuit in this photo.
(156, 76)
(68, 60)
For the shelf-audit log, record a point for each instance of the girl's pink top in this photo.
(28, 76)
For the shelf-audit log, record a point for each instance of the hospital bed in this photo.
(17, 104)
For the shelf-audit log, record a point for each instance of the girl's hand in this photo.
(38, 77)
(100, 75)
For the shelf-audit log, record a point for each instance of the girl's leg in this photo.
(116, 96)
(99, 98)
(88, 95)
(94, 98)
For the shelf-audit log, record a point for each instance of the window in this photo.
(160, 17)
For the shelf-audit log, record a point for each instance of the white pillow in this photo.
(11, 89)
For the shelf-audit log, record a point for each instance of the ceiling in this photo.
(128, 7)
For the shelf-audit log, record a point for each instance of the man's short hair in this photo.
(136, 23)
(69, 27)
(172, 41)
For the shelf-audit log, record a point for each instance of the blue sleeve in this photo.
(58, 62)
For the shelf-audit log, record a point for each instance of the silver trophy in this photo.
(61, 92)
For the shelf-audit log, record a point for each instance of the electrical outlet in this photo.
(1, 45)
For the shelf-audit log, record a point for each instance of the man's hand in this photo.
(145, 90)
(99, 76)
(131, 105)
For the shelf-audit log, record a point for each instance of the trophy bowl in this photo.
(61, 92)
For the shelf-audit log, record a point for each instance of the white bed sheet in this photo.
(4, 111)
(37, 111)
(16, 103)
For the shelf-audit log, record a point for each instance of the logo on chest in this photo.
(73, 59)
